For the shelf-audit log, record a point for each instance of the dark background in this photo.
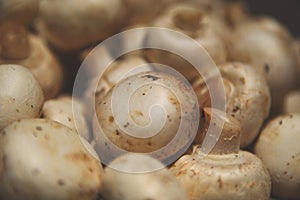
(286, 11)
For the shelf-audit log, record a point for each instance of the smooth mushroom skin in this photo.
(247, 98)
(278, 147)
(226, 172)
(195, 23)
(68, 111)
(271, 53)
(98, 87)
(143, 11)
(43, 64)
(85, 22)
(18, 11)
(137, 176)
(143, 114)
(21, 95)
(43, 159)
(14, 42)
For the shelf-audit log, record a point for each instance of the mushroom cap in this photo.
(67, 113)
(43, 64)
(138, 176)
(218, 177)
(43, 159)
(143, 113)
(21, 95)
(84, 23)
(18, 11)
(278, 147)
(195, 23)
(269, 53)
(247, 97)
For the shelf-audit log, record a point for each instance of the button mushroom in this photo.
(270, 51)
(226, 172)
(278, 147)
(138, 176)
(68, 111)
(149, 112)
(247, 97)
(195, 23)
(84, 23)
(43, 64)
(20, 95)
(43, 159)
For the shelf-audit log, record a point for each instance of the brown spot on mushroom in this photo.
(111, 119)
(242, 80)
(117, 132)
(220, 183)
(139, 113)
(80, 156)
(69, 119)
(61, 182)
(280, 122)
(266, 68)
(39, 128)
(154, 78)
(126, 125)
(17, 110)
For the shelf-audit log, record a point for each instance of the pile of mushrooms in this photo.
(137, 124)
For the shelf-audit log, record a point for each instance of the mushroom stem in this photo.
(229, 140)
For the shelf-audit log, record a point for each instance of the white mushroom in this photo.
(278, 147)
(247, 97)
(195, 23)
(226, 172)
(18, 11)
(43, 159)
(144, 113)
(68, 111)
(84, 23)
(20, 95)
(43, 64)
(267, 47)
(143, 11)
(118, 70)
(138, 176)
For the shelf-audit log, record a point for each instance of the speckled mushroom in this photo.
(68, 111)
(247, 98)
(21, 95)
(43, 159)
(43, 64)
(267, 46)
(226, 172)
(138, 176)
(195, 23)
(278, 147)
(85, 22)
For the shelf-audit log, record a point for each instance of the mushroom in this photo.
(278, 147)
(292, 102)
(138, 176)
(68, 111)
(149, 112)
(43, 64)
(195, 23)
(247, 98)
(110, 76)
(268, 48)
(18, 11)
(85, 22)
(20, 95)
(43, 159)
(15, 16)
(143, 11)
(226, 172)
